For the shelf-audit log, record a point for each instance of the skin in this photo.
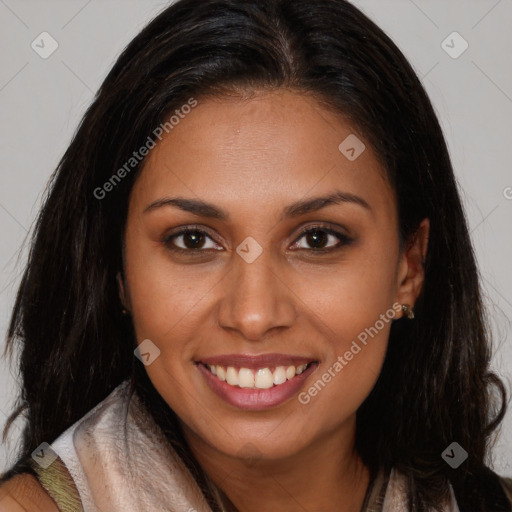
(252, 157)
(24, 493)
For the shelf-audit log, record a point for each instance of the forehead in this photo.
(251, 153)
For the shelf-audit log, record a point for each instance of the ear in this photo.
(411, 272)
(123, 296)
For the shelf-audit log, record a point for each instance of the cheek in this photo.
(345, 379)
(350, 296)
(164, 297)
(165, 303)
(355, 307)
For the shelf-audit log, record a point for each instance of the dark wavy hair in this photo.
(76, 347)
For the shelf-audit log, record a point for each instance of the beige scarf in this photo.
(119, 461)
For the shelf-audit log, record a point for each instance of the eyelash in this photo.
(344, 240)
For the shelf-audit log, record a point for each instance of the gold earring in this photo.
(125, 311)
(408, 311)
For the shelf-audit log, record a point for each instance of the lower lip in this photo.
(256, 399)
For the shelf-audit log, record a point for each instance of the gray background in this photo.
(42, 101)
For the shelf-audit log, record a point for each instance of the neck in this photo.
(327, 475)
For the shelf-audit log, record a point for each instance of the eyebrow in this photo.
(205, 209)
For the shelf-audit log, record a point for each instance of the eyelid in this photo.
(324, 226)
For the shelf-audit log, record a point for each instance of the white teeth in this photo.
(262, 378)
(246, 378)
(279, 375)
(232, 376)
(301, 368)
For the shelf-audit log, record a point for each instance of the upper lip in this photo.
(256, 361)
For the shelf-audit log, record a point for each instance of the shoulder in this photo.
(23, 492)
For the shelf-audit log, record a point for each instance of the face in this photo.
(269, 280)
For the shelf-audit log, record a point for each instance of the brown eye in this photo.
(193, 240)
(317, 238)
(322, 239)
(190, 240)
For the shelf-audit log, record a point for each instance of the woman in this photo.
(252, 287)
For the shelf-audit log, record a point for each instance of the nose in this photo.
(256, 299)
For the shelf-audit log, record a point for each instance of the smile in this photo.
(256, 382)
(260, 378)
